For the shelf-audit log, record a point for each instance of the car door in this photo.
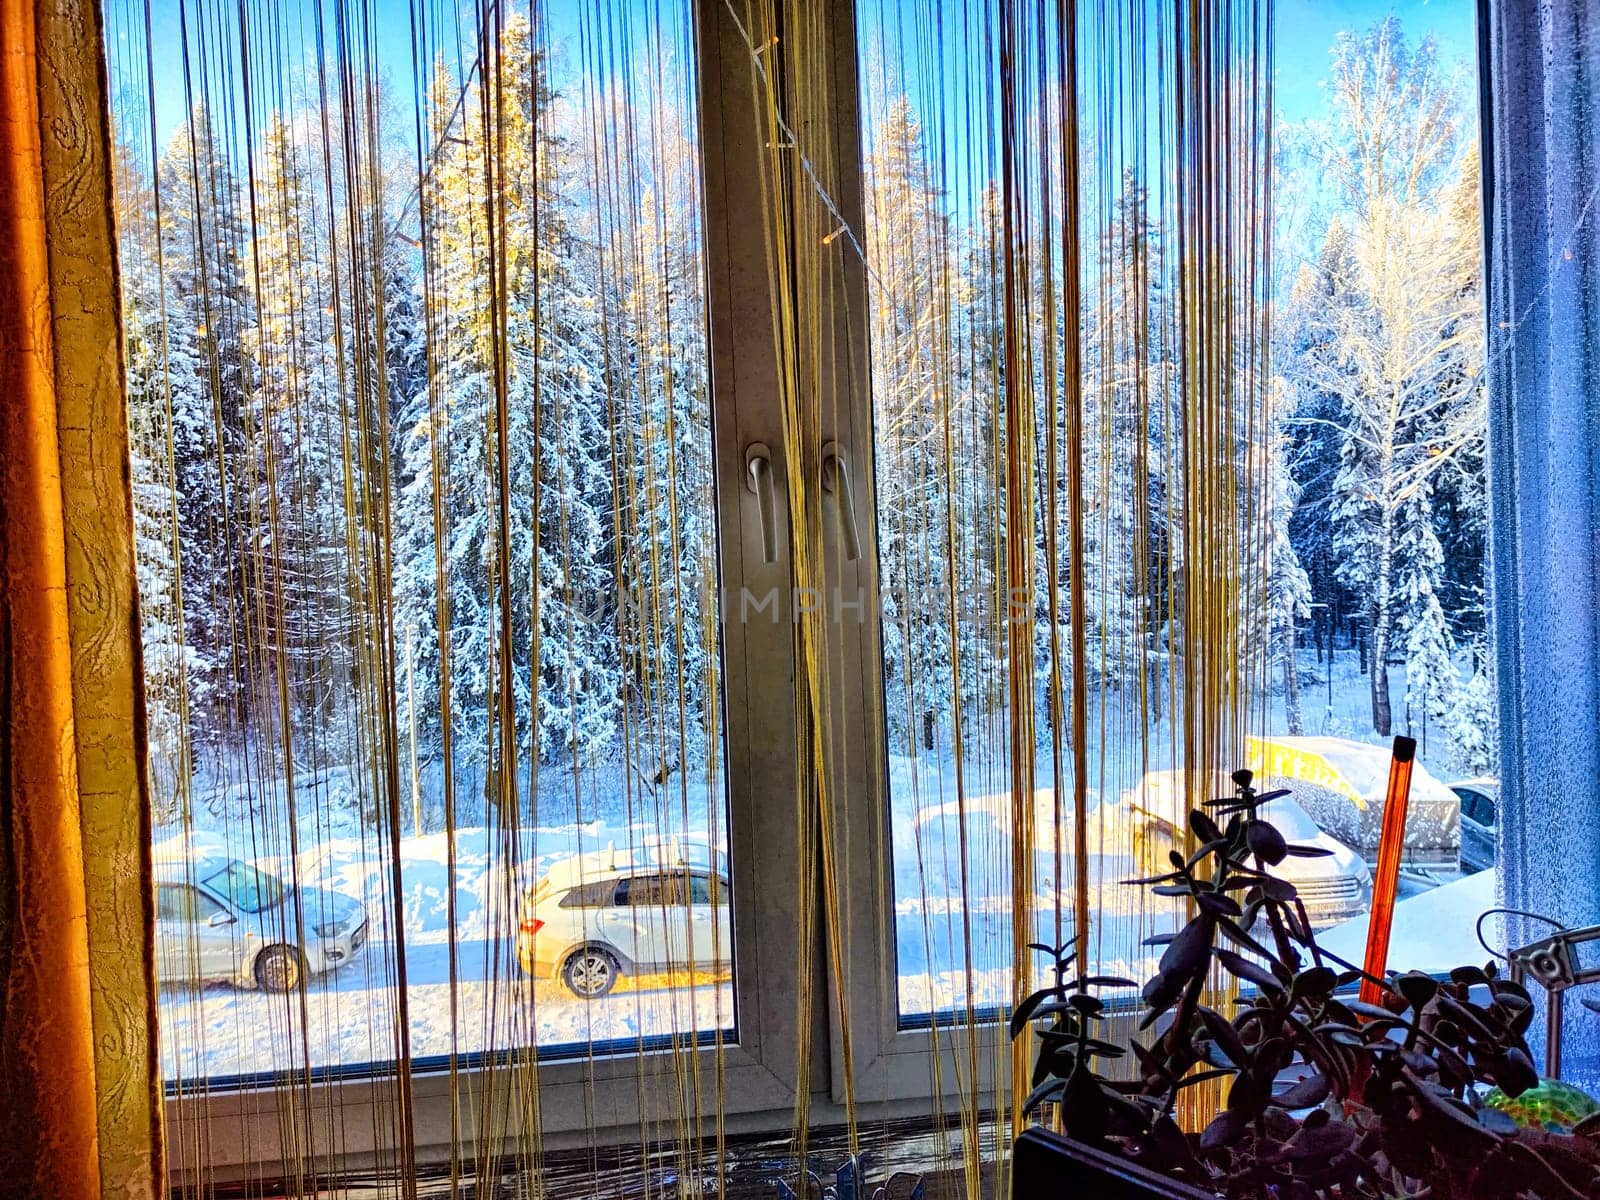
(194, 935)
(710, 932)
(1477, 830)
(647, 923)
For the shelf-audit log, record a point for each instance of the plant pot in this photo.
(1047, 1166)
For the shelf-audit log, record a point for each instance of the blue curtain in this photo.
(1542, 148)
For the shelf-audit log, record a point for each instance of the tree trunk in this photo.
(1382, 717)
(1291, 682)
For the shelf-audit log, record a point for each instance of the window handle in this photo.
(836, 483)
(758, 478)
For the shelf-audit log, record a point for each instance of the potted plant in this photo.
(1325, 1096)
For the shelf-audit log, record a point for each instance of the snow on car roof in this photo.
(620, 860)
(1356, 770)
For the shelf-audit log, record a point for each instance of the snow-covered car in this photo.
(1334, 887)
(222, 920)
(1480, 803)
(594, 918)
(1343, 784)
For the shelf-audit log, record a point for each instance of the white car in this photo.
(1334, 888)
(596, 917)
(222, 920)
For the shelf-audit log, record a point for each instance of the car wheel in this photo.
(278, 969)
(590, 972)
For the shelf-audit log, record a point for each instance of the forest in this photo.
(422, 454)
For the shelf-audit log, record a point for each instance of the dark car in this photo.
(1480, 800)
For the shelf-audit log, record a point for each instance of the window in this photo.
(592, 895)
(521, 517)
(1373, 508)
(653, 891)
(707, 889)
(246, 888)
(176, 903)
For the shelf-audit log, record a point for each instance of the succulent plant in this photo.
(1325, 1096)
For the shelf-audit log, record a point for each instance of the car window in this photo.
(653, 890)
(600, 894)
(252, 890)
(707, 889)
(176, 902)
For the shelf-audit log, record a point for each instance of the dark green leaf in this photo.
(1109, 981)
(1307, 852)
(1024, 1012)
(1313, 981)
(1225, 1129)
(1304, 1093)
(1265, 842)
(1205, 829)
(1242, 968)
(1417, 988)
(1218, 904)
(1187, 954)
(1046, 1092)
(1226, 1037)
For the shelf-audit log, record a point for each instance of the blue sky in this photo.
(1306, 30)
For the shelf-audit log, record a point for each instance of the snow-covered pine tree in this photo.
(1128, 375)
(1419, 621)
(1474, 718)
(525, 348)
(300, 466)
(169, 661)
(207, 307)
(1288, 590)
(648, 260)
(918, 422)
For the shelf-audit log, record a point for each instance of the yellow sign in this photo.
(1277, 761)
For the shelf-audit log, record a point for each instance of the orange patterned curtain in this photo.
(79, 1098)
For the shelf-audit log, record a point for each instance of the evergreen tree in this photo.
(1474, 719)
(1420, 626)
(207, 304)
(1288, 589)
(302, 470)
(169, 661)
(923, 489)
(1401, 341)
(525, 349)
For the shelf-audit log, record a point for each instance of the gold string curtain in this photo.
(420, 426)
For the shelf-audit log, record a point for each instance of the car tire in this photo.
(278, 969)
(590, 972)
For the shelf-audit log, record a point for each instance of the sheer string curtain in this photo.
(79, 1092)
(1064, 233)
(421, 444)
(425, 523)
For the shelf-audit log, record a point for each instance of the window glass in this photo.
(643, 890)
(592, 895)
(248, 889)
(178, 903)
(703, 888)
(420, 432)
(1366, 536)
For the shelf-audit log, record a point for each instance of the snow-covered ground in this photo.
(464, 994)
(352, 1016)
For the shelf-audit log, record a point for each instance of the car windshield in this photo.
(247, 888)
